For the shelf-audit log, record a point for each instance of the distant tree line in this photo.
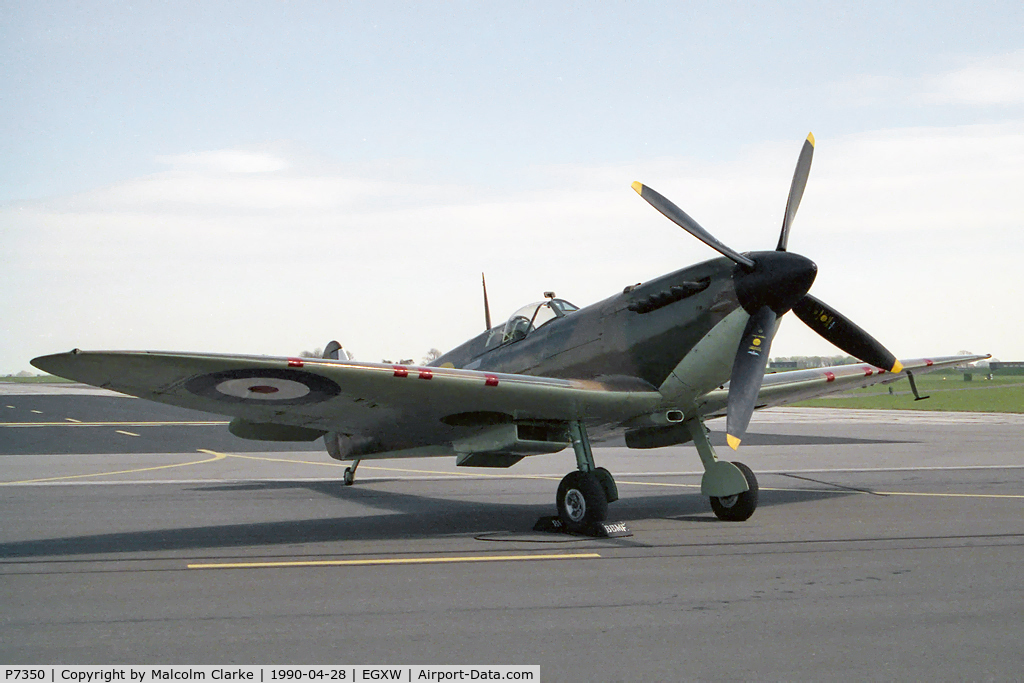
(431, 355)
(801, 362)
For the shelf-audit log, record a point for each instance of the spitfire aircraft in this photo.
(652, 363)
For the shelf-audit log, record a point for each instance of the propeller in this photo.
(768, 285)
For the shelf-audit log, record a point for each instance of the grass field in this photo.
(998, 395)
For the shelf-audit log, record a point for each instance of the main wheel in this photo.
(350, 476)
(740, 507)
(581, 500)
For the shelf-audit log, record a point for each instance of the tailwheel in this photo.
(581, 500)
(738, 507)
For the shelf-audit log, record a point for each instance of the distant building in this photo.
(1000, 367)
(803, 362)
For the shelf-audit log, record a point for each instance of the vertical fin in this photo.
(333, 350)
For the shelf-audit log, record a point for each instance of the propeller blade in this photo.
(680, 218)
(796, 189)
(844, 333)
(748, 373)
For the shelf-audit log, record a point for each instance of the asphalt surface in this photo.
(886, 545)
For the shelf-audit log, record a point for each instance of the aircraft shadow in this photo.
(406, 516)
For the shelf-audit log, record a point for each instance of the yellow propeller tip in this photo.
(897, 367)
(734, 443)
(810, 139)
(639, 187)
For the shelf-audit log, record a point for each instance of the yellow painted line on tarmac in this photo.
(221, 456)
(406, 560)
(300, 462)
(38, 412)
(216, 456)
(77, 423)
(697, 486)
(121, 431)
(617, 481)
(838, 490)
(474, 475)
(948, 495)
(759, 488)
(71, 419)
(659, 483)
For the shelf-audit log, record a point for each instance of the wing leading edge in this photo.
(418, 409)
(400, 406)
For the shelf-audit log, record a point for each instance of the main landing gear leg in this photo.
(350, 472)
(731, 486)
(583, 495)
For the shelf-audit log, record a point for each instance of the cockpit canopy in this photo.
(535, 315)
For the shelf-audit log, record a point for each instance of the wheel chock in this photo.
(553, 524)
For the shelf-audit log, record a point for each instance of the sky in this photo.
(264, 177)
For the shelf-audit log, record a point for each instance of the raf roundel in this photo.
(264, 386)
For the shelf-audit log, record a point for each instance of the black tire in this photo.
(581, 500)
(740, 507)
(350, 476)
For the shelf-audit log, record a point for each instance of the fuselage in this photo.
(642, 332)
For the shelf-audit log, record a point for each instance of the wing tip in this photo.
(734, 442)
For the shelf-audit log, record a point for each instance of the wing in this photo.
(399, 407)
(404, 410)
(799, 385)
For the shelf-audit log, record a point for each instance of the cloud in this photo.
(226, 161)
(992, 81)
(915, 231)
(989, 82)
